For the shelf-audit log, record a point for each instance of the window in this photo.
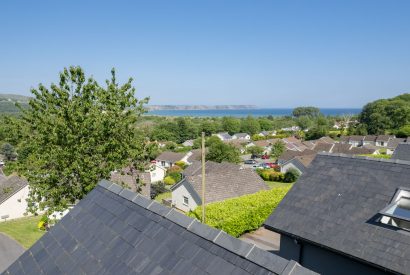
(163, 163)
(397, 213)
(186, 200)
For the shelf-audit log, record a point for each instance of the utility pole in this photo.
(203, 177)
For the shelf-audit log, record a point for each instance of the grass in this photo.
(381, 156)
(273, 184)
(23, 230)
(161, 196)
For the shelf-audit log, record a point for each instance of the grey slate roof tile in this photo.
(112, 231)
(332, 205)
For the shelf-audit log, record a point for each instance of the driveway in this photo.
(10, 250)
(263, 238)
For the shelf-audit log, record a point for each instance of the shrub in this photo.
(243, 214)
(276, 176)
(181, 164)
(174, 169)
(169, 180)
(291, 175)
(157, 188)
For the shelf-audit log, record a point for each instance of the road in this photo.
(10, 250)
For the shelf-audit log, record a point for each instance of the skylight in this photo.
(397, 213)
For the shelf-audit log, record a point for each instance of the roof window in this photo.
(397, 213)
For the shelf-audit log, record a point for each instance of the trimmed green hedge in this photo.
(243, 214)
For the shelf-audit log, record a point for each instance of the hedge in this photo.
(243, 214)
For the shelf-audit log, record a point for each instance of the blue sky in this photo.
(267, 53)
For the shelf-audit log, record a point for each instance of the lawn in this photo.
(23, 230)
(273, 184)
(161, 196)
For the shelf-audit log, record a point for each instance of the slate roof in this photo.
(334, 206)
(10, 186)
(223, 181)
(402, 152)
(342, 148)
(225, 135)
(241, 135)
(262, 143)
(170, 156)
(195, 156)
(384, 138)
(299, 165)
(115, 231)
(394, 142)
(370, 138)
(323, 147)
(356, 138)
(327, 139)
(290, 154)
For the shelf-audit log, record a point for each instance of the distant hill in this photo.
(200, 107)
(8, 101)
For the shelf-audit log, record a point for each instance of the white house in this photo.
(168, 159)
(242, 136)
(157, 173)
(188, 143)
(223, 181)
(224, 136)
(14, 192)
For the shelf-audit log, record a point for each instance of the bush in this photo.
(243, 214)
(181, 164)
(174, 169)
(271, 175)
(157, 188)
(291, 175)
(168, 180)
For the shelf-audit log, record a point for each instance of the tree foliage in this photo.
(231, 125)
(8, 151)
(386, 114)
(277, 149)
(80, 132)
(306, 111)
(219, 152)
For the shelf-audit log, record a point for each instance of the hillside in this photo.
(8, 101)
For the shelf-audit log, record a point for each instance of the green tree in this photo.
(404, 131)
(277, 149)
(209, 127)
(231, 125)
(306, 111)
(255, 150)
(386, 114)
(304, 122)
(81, 132)
(265, 124)
(220, 152)
(291, 175)
(250, 125)
(8, 151)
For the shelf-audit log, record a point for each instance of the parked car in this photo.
(265, 157)
(250, 161)
(272, 165)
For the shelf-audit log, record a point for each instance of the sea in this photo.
(249, 112)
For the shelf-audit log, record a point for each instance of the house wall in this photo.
(322, 260)
(158, 174)
(16, 205)
(178, 199)
(287, 166)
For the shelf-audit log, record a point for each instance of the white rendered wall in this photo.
(16, 205)
(178, 199)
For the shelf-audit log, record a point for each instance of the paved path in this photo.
(263, 238)
(10, 250)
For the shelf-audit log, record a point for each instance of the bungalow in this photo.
(291, 129)
(294, 144)
(356, 141)
(168, 159)
(290, 154)
(393, 143)
(323, 147)
(242, 136)
(188, 143)
(14, 193)
(369, 140)
(299, 163)
(115, 231)
(267, 133)
(223, 181)
(383, 140)
(239, 144)
(347, 215)
(223, 136)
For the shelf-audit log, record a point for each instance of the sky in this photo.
(267, 53)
